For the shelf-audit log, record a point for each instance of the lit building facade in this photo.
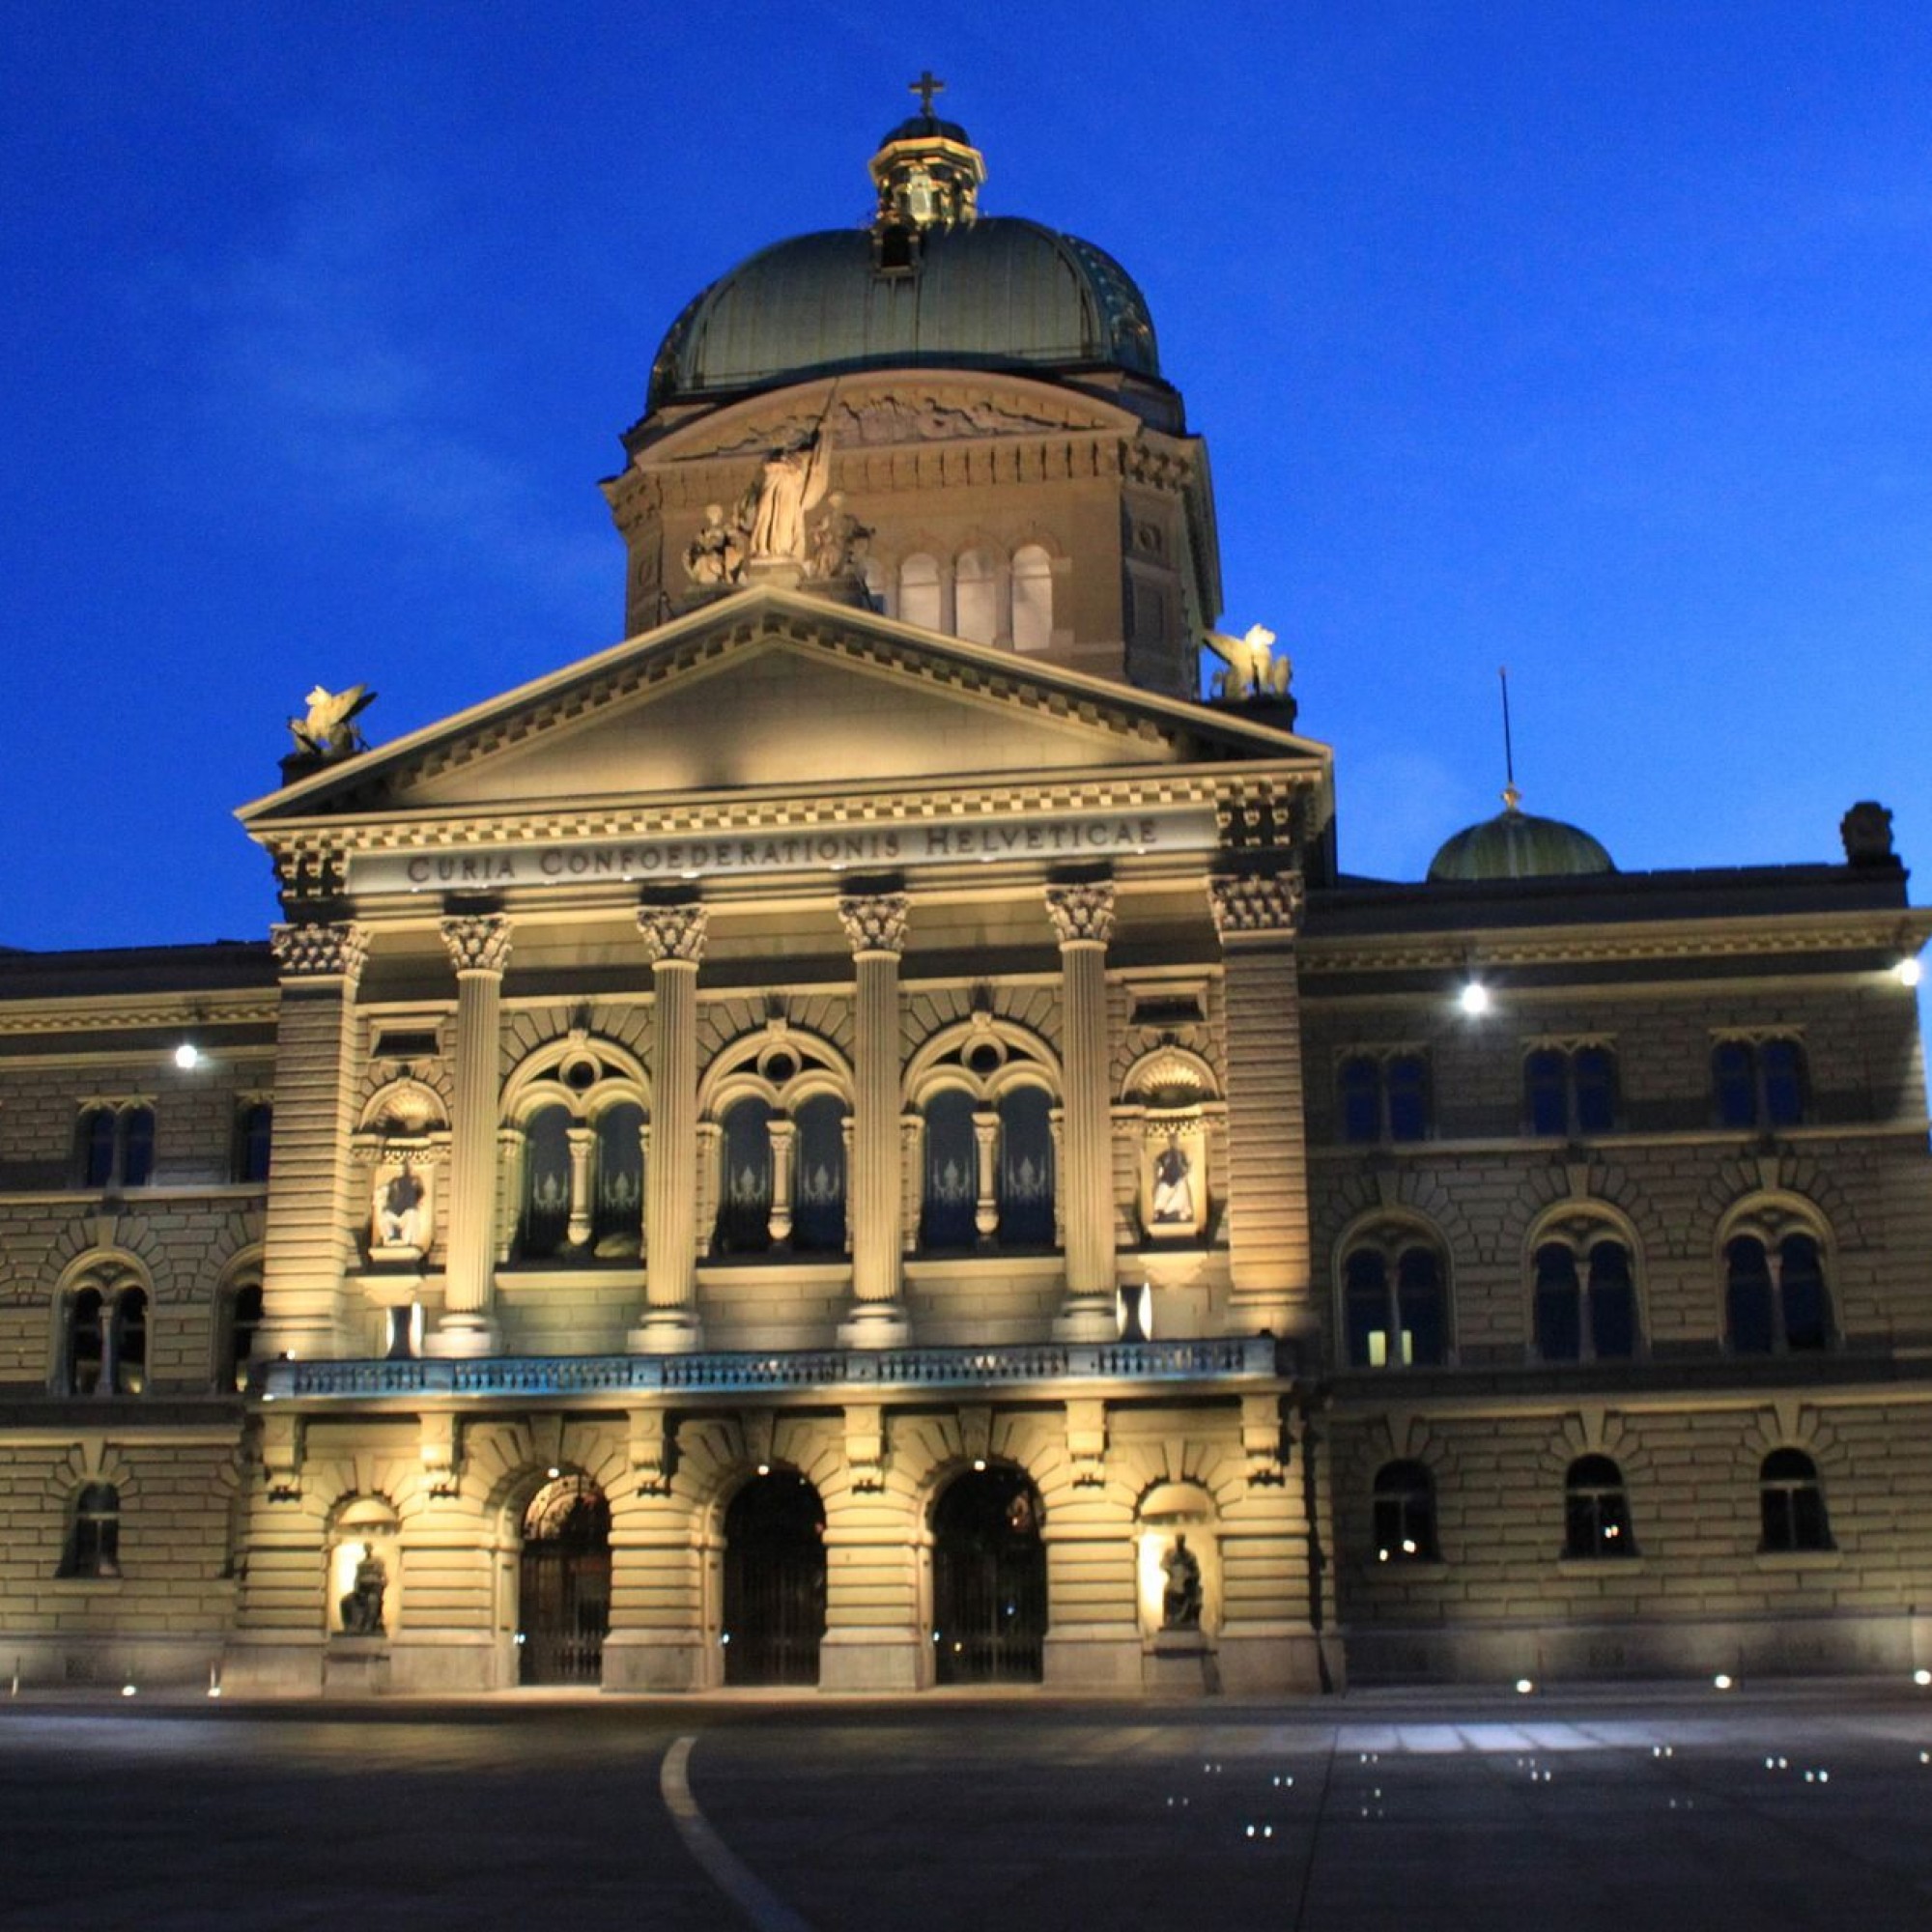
(859, 1137)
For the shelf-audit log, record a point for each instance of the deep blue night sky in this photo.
(1591, 340)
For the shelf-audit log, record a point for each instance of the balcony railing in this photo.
(773, 1371)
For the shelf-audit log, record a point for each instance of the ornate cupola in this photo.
(928, 175)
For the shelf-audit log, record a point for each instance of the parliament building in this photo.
(860, 1137)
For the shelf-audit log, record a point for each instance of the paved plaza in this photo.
(1642, 1812)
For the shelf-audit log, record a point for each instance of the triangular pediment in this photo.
(773, 691)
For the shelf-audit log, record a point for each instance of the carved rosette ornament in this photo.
(478, 943)
(320, 952)
(1081, 915)
(674, 932)
(1256, 903)
(876, 924)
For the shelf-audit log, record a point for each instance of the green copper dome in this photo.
(1516, 844)
(930, 282)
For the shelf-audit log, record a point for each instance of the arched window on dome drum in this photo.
(546, 1216)
(1404, 1514)
(919, 592)
(617, 1204)
(1791, 1503)
(1596, 1510)
(952, 1173)
(745, 1191)
(1033, 598)
(818, 1182)
(976, 598)
(1026, 1169)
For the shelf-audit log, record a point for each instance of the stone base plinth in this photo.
(1097, 1660)
(1180, 1663)
(875, 1325)
(356, 1666)
(667, 1331)
(464, 1336)
(885, 1660)
(652, 1663)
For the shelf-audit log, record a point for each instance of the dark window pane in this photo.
(1594, 1072)
(1404, 1514)
(952, 1173)
(1408, 1097)
(1559, 1326)
(84, 1340)
(138, 1146)
(257, 1124)
(1026, 1169)
(617, 1200)
(1747, 1315)
(130, 1341)
(545, 1183)
(745, 1190)
(1543, 1093)
(1784, 1083)
(1802, 1279)
(1809, 1528)
(1734, 1081)
(1361, 1085)
(1612, 1303)
(1597, 1512)
(1366, 1308)
(818, 1178)
(97, 1131)
(245, 1319)
(1419, 1304)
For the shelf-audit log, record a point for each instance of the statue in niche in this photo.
(329, 731)
(792, 483)
(1180, 1601)
(1172, 1186)
(714, 555)
(401, 1210)
(362, 1607)
(838, 541)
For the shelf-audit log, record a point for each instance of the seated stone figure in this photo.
(362, 1606)
(1180, 1601)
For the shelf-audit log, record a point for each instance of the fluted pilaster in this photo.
(1082, 922)
(875, 924)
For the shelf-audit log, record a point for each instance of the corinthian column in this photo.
(674, 939)
(1082, 919)
(312, 1207)
(1258, 916)
(479, 949)
(877, 927)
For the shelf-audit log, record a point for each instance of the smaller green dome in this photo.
(1516, 844)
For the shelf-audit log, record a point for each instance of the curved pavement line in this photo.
(729, 1872)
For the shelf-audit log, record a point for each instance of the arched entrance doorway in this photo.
(988, 1580)
(774, 1582)
(564, 1585)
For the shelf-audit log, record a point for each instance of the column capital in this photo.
(1256, 903)
(1082, 914)
(674, 935)
(477, 942)
(875, 922)
(320, 952)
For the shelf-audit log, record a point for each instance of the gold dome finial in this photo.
(928, 173)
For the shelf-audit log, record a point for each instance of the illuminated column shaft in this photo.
(1258, 917)
(479, 949)
(1083, 918)
(877, 927)
(674, 939)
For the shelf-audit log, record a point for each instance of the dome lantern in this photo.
(928, 174)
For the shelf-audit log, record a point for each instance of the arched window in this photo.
(1026, 1169)
(241, 1324)
(546, 1220)
(1612, 1327)
(1791, 1503)
(1596, 1510)
(1559, 1305)
(745, 1195)
(1775, 1296)
(128, 1341)
(818, 1182)
(94, 1535)
(947, 1215)
(84, 1344)
(1585, 1300)
(975, 597)
(1404, 1509)
(919, 592)
(617, 1202)
(1395, 1306)
(1033, 598)
(104, 1336)
(253, 1127)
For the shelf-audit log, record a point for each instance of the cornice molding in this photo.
(25, 1018)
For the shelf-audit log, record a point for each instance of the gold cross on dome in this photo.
(925, 87)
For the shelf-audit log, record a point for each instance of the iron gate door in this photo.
(565, 1601)
(988, 1581)
(774, 1582)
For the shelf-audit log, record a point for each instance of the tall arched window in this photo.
(93, 1533)
(241, 1321)
(1775, 1295)
(1404, 1510)
(1394, 1304)
(919, 592)
(104, 1337)
(1033, 598)
(975, 597)
(546, 1220)
(1026, 1169)
(617, 1202)
(128, 1341)
(818, 1182)
(84, 1345)
(947, 1215)
(1585, 1300)
(1596, 1510)
(1791, 1503)
(745, 1193)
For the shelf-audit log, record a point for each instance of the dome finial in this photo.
(927, 171)
(1512, 797)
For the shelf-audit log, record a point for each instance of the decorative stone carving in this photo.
(477, 942)
(838, 541)
(715, 555)
(653, 1451)
(319, 952)
(442, 1455)
(882, 421)
(1262, 1441)
(1082, 914)
(1270, 902)
(1180, 1601)
(328, 728)
(362, 1606)
(866, 1446)
(1250, 665)
(1086, 1442)
(876, 923)
(674, 932)
(1866, 830)
(402, 1218)
(791, 483)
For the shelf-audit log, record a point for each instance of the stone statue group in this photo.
(773, 523)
